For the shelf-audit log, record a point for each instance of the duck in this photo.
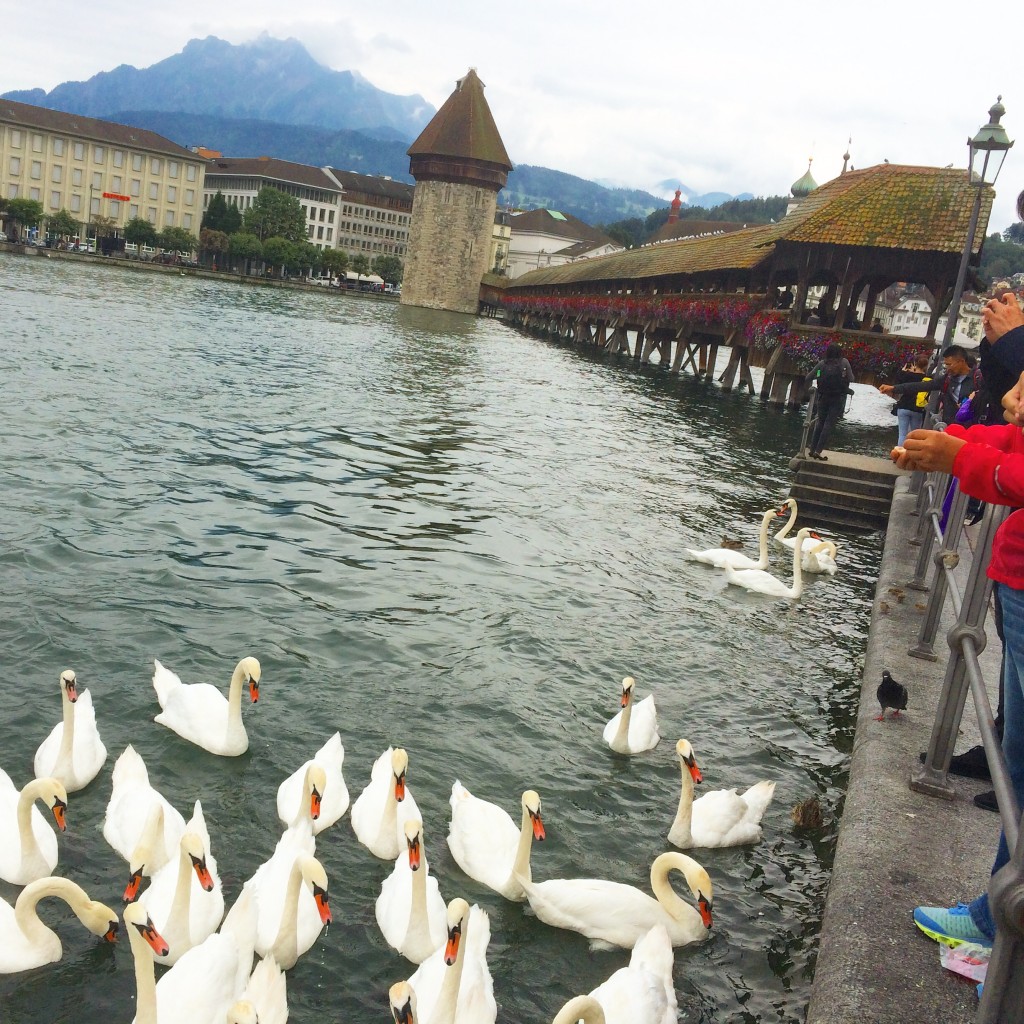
(782, 538)
(453, 985)
(73, 752)
(382, 808)
(26, 943)
(727, 555)
(634, 729)
(201, 714)
(616, 914)
(719, 818)
(331, 794)
(642, 992)
(410, 911)
(205, 981)
(28, 847)
(807, 813)
(760, 582)
(140, 823)
(820, 558)
(486, 843)
(265, 999)
(290, 892)
(185, 898)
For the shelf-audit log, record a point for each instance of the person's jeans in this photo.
(1012, 603)
(908, 420)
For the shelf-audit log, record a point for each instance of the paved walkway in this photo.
(898, 848)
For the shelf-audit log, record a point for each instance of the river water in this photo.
(433, 532)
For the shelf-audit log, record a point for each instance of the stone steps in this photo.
(850, 492)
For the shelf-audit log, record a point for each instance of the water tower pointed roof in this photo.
(463, 129)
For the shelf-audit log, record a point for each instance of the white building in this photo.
(547, 238)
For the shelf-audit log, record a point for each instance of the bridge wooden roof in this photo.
(889, 206)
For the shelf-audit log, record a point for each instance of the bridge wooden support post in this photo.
(680, 340)
(601, 334)
(769, 375)
(648, 334)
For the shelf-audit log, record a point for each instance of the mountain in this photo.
(267, 80)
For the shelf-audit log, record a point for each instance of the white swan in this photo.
(453, 985)
(410, 911)
(585, 1009)
(199, 712)
(140, 824)
(73, 752)
(205, 982)
(719, 818)
(265, 999)
(384, 806)
(619, 914)
(331, 796)
(782, 538)
(643, 992)
(487, 844)
(721, 557)
(290, 891)
(635, 728)
(820, 558)
(765, 583)
(185, 899)
(26, 943)
(28, 846)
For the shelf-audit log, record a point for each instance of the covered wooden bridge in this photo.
(679, 303)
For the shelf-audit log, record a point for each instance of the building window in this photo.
(115, 209)
(118, 157)
(58, 147)
(98, 154)
(16, 144)
(172, 168)
(76, 204)
(305, 212)
(54, 200)
(330, 234)
(12, 191)
(190, 197)
(154, 190)
(154, 165)
(94, 205)
(330, 216)
(37, 170)
(97, 179)
(172, 194)
(76, 176)
(309, 230)
(169, 219)
(323, 214)
(133, 211)
(55, 176)
(116, 183)
(151, 215)
(79, 150)
(37, 143)
(136, 161)
(186, 221)
(190, 172)
(33, 193)
(136, 189)
(320, 232)
(15, 165)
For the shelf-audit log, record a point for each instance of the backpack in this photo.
(832, 377)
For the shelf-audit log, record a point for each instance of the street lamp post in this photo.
(991, 144)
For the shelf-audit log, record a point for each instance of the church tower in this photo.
(460, 164)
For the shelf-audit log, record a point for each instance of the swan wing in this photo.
(200, 987)
(482, 838)
(197, 712)
(643, 992)
(643, 726)
(476, 1004)
(758, 581)
(165, 682)
(724, 818)
(17, 953)
(368, 808)
(331, 757)
(19, 866)
(267, 990)
(394, 904)
(721, 557)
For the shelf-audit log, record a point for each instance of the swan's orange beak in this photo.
(784, 510)
(400, 787)
(322, 904)
(131, 890)
(624, 699)
(203, 874)
(154, 938)
(695, 772)
(110, 935)
(704, 906)
(314, 804)
(72, 690)
(451, 949)
(414, 854)
(254, 689)
(538, 826)
(59, 809)
(403, 1014)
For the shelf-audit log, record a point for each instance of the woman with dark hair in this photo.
(833, 376)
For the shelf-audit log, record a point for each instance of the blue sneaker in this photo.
(950, 926)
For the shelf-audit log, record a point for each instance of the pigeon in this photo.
(891, 695)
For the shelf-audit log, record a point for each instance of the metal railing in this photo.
(1002, 1001)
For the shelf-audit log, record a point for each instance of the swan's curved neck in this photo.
(671, 902)
(521, 865)
(762, 548)
(235, 699)
(29, 795)
(581, 1008)
(67, 738)
(178, 917)
(684, 812)
(622, 735)
(26, 915)
(418, 905)
(286, 945)
(798, 579)
(448, 997)
(145, 978)
(789, 523)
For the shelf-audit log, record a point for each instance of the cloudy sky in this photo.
(731, 98)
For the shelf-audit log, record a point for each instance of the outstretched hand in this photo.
(1001, 315)
(930, 450)
(1013, 404)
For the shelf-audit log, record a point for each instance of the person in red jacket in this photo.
(989, 463)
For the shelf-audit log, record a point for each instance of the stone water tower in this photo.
(460, 164)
